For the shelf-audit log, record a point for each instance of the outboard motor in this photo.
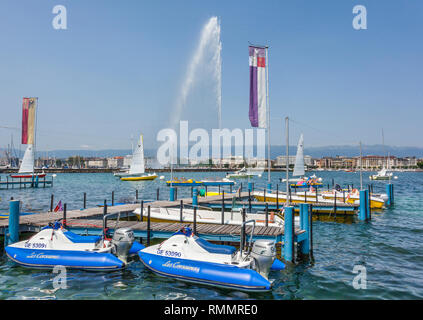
(264, 253)
(122, 241)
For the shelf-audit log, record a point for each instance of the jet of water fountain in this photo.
(209, 46)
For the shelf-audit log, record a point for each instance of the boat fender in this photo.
(136, 246)
(277, 265)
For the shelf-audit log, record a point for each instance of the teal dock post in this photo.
(249, 201)
(195, 197)
(250, 186)
(305, 225)
(302, 211)
(195, 220)
(369, 208)
(269, 187)
(14, 212)
(148, 226)
(362, 214)
(36, 181)
(289, 234)
(172, 194)
(277, 196)
(223, 207)
(390, 194)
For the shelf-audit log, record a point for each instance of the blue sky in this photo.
(117, 70)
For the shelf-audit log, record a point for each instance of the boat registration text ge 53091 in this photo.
(35, 245)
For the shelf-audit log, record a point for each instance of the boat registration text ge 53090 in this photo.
(168, 253)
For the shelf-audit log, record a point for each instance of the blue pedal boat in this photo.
(186, 257)
(54, 246)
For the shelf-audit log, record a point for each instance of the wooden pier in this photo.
(24, 183)
(86, 219)
(89, 222)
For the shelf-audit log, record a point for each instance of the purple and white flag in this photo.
(257, 112)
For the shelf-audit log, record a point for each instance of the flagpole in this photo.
(268, 116)
(287, 160)
(361, 168)
(35, 136)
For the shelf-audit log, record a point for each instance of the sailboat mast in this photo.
(384, 151)
(171, 165)
(287, 159)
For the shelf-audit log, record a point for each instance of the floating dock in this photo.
(23, 183)
(89, 222)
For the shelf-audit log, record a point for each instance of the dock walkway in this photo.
(89, 222)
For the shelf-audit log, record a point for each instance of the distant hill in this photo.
(315, 152)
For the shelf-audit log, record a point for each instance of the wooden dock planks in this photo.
(85, 219)
(173, 227)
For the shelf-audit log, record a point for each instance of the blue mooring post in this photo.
(195, 197)
(288, 246)
(362, 214)
(368, 199)
(172, 194)
(390, 194)
(13, 221)
(305, 225)
(250, 186)
(269, 187)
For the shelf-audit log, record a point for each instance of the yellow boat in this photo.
(139, 178)
(325, 205)
(181, 181)
(353, 197)
(299, 197)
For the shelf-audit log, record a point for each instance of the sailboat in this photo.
(299, 169)
(136, 171)
(243, 173)
(383, 174)
(26, 170)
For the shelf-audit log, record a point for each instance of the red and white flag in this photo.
(28, 120)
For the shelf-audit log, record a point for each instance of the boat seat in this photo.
(215, 248)
(75, 238)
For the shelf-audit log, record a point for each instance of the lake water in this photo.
(390, 247)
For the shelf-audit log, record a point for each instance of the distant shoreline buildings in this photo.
(369, 162)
